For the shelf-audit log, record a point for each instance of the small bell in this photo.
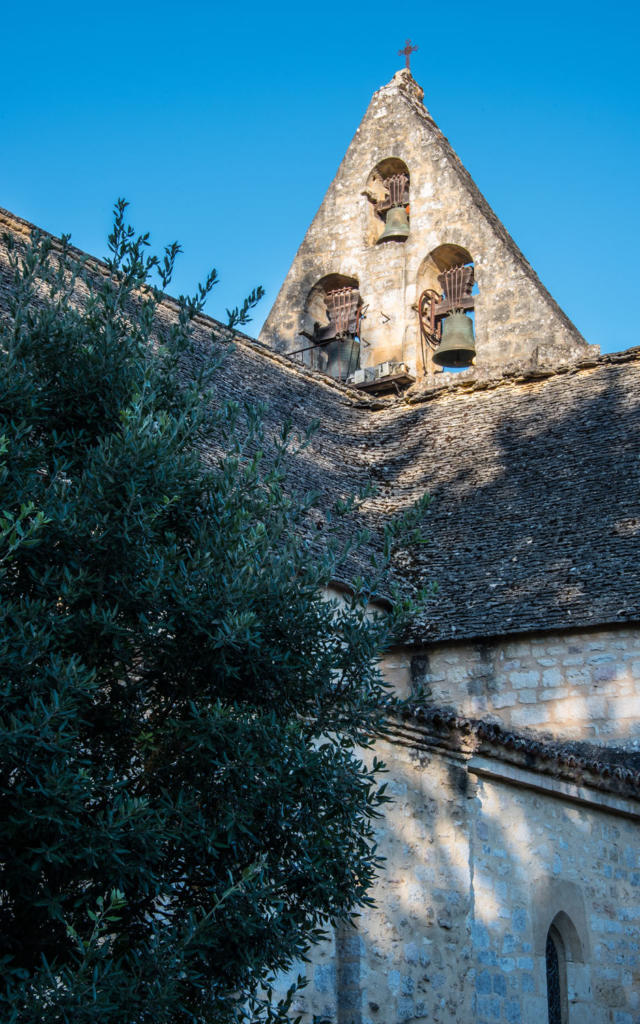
(457, 347)
(396, 226)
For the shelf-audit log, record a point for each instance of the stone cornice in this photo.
(582, 766)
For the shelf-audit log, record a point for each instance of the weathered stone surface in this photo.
(476, 873)
(535, 518)
(536, 480)
(517, 322)
(554, 682)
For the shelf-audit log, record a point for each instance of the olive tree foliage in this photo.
(183, 802)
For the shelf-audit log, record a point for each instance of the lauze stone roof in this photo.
(535, 520)
(535, 517)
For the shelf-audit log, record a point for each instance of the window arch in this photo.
(387, 189)
(564, 949)
(556, 972)
(569, 931)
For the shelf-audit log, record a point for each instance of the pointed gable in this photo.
(516, 320)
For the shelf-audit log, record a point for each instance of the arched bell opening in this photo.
(387, 191)
(332, 316)
(446, 309)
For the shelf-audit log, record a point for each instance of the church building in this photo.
(511, 890)
(413, 328)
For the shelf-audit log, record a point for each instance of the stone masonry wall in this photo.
(574, 685)
(536, 856)
(477, 869)
(411, 956)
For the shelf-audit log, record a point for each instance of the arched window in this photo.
(561, 942)
(387, 191)
(556, 962)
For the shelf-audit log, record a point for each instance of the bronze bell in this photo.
(457, 347)
(343, 357)
(397, 225)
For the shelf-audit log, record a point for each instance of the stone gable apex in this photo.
(517, 322)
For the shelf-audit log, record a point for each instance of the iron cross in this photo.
(408, 50)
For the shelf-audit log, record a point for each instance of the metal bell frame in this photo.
(455, 345)
(396, 202)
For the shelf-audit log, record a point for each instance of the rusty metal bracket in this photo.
(430, 328)
(396, 193)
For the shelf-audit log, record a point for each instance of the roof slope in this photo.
(251, 373)
(536, 517)
(535, 522)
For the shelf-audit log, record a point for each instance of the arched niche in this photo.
(445, 283)
(381, 196)
(560, 903)
(562, 945)
(564, 928)
(315, 308)
(443, 257)
(563, 949)
(332, 313)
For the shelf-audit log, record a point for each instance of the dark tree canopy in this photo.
(182, 803)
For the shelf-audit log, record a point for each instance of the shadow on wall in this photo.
(494, 904)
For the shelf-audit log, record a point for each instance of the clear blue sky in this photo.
(223, 124)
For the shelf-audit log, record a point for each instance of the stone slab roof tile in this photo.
(535, 519)
(536, 513)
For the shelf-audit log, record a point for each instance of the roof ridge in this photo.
(24, 227)
(414, 396)
(518, 376)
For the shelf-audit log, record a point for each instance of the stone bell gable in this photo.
(511, 883)
(401, 212)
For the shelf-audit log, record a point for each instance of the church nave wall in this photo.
(574, 685)
(480, 868)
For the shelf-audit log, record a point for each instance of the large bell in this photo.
(397, 225)
(457, 347)
(343, 357)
